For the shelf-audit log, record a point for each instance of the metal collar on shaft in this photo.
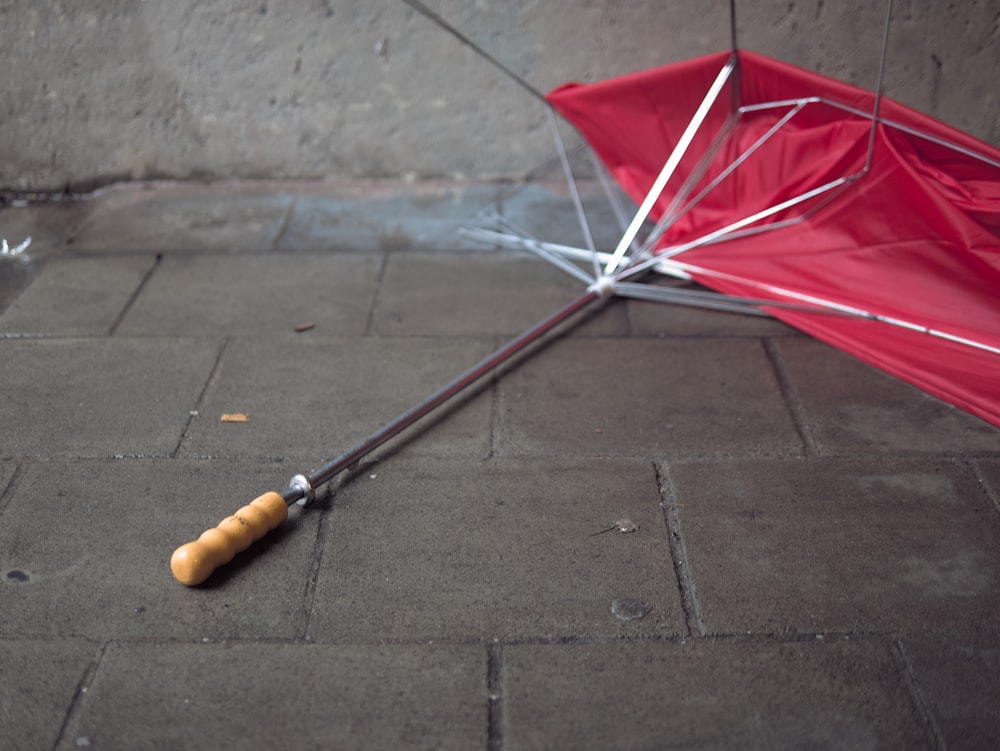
(302, 490)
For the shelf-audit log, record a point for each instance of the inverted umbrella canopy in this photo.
(860, 221)
(871, 226)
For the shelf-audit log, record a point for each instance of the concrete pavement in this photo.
(814, 554)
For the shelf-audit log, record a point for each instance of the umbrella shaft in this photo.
(335, 466)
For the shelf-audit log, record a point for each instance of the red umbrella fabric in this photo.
(903, 254)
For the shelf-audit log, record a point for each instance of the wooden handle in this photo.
(194, 562)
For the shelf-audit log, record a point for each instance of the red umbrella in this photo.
(848, 215)
(873, 227)
(845, 214)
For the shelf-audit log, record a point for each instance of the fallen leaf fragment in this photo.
(235, 417)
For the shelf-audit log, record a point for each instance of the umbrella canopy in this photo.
(862, 222)
(869, 225)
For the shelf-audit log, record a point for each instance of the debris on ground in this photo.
(235, 417)
(625, 526)
(629, 609)
(6, 250)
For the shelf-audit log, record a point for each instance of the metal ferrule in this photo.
(301, 489)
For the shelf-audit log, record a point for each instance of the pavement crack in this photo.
(678, 554)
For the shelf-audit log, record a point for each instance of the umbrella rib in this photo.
(670, 165)
(727, 232)
(878, 87)
(934, 139)
(614, 199)
(732, 26)
(574, 193)
(868, 116)
(437, 19)
(730, 168)
(672, 213)
(841, 308)
(553, 253)
(965, 151)
(693, 298)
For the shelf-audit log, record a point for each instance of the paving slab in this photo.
(819, 567)
(839, 546)
(446, 550)
(377, 216)
(77, 296)
(165, 217)
(215, 295)
(90, 543)
(960, 683)
(316, 398)
(467, 294)
(261, 695)
(40, 679)
(646, 397)
(715, 694)
(854, 409)
(100, 397)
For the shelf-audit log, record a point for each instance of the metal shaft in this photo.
(334, 467)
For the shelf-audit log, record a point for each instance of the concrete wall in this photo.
(101, 90)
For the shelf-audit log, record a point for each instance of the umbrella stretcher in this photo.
(862, 222)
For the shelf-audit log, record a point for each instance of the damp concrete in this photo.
(660, 527)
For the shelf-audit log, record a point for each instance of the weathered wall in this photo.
(102, 90)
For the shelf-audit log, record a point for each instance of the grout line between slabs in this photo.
(325, 508)
(135, 295)
(285, 222)
(678, 553)
(516, 641)
(916, 695)
(212, 375)
(494, 690)
(86, 680)
(790, 396)
(988, 489)
(497, 402)
(376, 295)
(7, 492)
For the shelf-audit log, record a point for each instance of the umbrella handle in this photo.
(193, 562)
